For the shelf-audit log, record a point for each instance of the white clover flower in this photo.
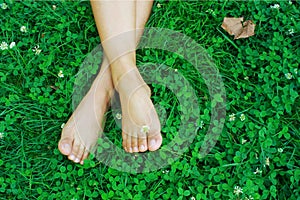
(37, 50)
(3, 46)
(201, 124)
(250, 198)
(175, 70)
(242, 117)
(158, 5)
(244, 141)
(268, 161)
(119, 116)
(12, 45)
(280, 150)
(60, 74)
(165, 171)
(23, 29)
(258, 171)
(275, 6)
(210, 11)
(296, 71)
(237, 190)
(1, 135)
(193, 198)
(4, 6)
(289, 76)
(54, 7)
(145, 129)
(291, 31)
(232, 117)
(246, 78)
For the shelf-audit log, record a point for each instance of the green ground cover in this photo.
(257, 154)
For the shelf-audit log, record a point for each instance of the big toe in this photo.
(154, 142)
(65, 146)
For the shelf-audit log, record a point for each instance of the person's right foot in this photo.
(81, 132)
(140, 123)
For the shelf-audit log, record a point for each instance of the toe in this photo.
(65, 146)
(142, 141)
(127, 142)
(85, 155)
(134, 143)
(77, 151)
(154, 142)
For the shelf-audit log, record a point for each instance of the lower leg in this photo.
(119, 38)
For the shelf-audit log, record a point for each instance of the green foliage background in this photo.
(34, 102)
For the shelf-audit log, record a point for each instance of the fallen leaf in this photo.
(235, 26)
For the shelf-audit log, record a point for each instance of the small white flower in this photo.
(291, 31)
(275, 6)
(268, 161)
(244, 141)
(119, 116)
(296, 71)
(289, 76)
(145, 129)
(210, 11)
(37, 50)
(12, 45)
(193, 198)
(232, 117)
(4, 6)
(3, 46)
(60, 74)
(250, 198)
(246, 78)
(54, 7)
(237, 190)
(242, 117)
(201, 124)
(290, 2)
(280, 150)
(62, 125)
(175, 70)
(258, 171)
(165, 171)
(23, 29)
(1, 135)
(158, 5)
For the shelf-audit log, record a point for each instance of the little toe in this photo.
(85, 155)
(65, 146)
(127, 142)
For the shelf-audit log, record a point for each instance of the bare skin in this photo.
(82, 130)
(116, 23)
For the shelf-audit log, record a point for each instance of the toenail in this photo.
(152, 143)
(77, 160)
(130, 149)
(72, 157)
(142, 148)
(135, 149)
(66, 147)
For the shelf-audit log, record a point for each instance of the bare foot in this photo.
(81, 132)
(140, 123)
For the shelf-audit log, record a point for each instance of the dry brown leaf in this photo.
(235, 26)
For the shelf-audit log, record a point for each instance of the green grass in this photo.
(34, 102)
